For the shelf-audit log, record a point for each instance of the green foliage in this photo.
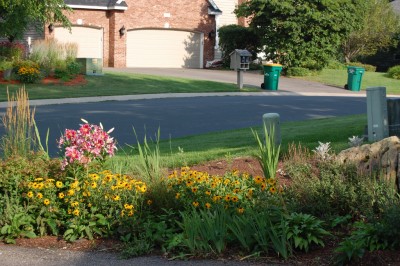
(4, 65)
(302, 34)
(233, 37)
(367, 67)
(17, 16)
(264, 230)
(297, 72)
(394, 72)
(329, 189)
(268, 151)
(205, 231)
(27, 71)
(15, 221)
(376, 30)
(335, 64)
(304, 230)
(12, 51)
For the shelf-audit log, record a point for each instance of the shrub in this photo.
(297, 72)
(369, 68)
(12, 51)
(237, 37)
(394, 72)
(335, 64)
(27, 71)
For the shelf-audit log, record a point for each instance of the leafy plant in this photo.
(205, 231)
(323, 151)
(355, 141)
(268, 151)
(27, 71)
(298, 72)
(304, 229)
(394, 72)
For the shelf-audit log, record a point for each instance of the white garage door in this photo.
(164, 48)
(89, 40)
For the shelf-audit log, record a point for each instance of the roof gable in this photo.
(97, 4)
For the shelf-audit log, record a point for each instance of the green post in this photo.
(354, 77)
(271, 76)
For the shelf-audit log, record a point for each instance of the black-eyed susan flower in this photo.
(93, 185)
(195, 204)
(263, 186)
(130, 213)
(240, 210)
(128, 206)
(116, 197)
(76, 212)
(194, 189)
(208, 192)
(227, 198)
(70, 192)
(208, 205)
(74, 204)
(234, 199)
(177, 195)
(61, 195)
(39, 195)
(46, 202)
(30, 194)
(272, 190)
(258, 179)
(271, 181)
(149, 202)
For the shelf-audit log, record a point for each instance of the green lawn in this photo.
(120, 84)
(205, 147)
(370, 79)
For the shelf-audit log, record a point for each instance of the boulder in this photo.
(382, 156)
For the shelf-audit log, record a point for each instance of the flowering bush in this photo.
(27, 71)
(88, 143)
(96, 203)
(235, 191)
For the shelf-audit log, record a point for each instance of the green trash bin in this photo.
(271, 76)
(354, 78)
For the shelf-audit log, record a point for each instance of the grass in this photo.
(211, 146)
(338, 78)
(119, 84)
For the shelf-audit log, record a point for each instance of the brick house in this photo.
(147, 33)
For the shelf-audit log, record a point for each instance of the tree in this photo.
(377, 31)
(237, 37)
(17, 15)
(303, 33)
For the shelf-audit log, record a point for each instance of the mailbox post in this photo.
(240, 61)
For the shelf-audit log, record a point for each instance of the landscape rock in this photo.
(382, 156)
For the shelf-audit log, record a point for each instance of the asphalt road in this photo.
(178, 117)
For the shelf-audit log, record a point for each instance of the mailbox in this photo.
(240, 59)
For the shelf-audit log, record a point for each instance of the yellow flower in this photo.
(258, 179)
(189, 183)
(39, 195)
(38, 179)
(235, 199)
(195, 203)
(128, 206)
(177, 195)
(30, 194)
(40, 186)
(76, 212)
(74, 204)
(122, 214)
(272, 190)
(74, 184)
(46, 202)
(71, 192)
(94, 176)
(89, 205)
(59, 184)
(194, 189)
(240, 210)
(61, 195)
(208, 205)
(271, 181)
(116, 197)
(143, 189)
(149, 202)
(263, 186)
(208, 192)
(227, 198)
(93, 184)
(131, 212)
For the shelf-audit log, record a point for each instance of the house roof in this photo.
(213, 8)
(97, 4)
(396, 6)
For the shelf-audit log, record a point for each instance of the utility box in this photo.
(240, 59)
(393, 109)
(272, 121)
(377, 114)
(91, 66)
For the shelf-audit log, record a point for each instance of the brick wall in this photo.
(190, 15)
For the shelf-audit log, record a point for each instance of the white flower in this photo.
(355, 141)
(322, 151)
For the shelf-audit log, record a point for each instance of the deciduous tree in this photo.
(17, 15)
(305, 33)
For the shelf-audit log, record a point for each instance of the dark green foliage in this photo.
(12, 51)
(297, 72)
(69, 71)
(304, 34)
(394, 72)
(367, 67)
(237, 37)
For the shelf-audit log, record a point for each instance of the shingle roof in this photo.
(97, 4)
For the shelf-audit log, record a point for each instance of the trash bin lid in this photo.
(271, 64)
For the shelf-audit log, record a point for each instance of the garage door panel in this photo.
(163, 48)
(89, 40)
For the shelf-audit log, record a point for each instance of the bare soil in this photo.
(316, 256)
